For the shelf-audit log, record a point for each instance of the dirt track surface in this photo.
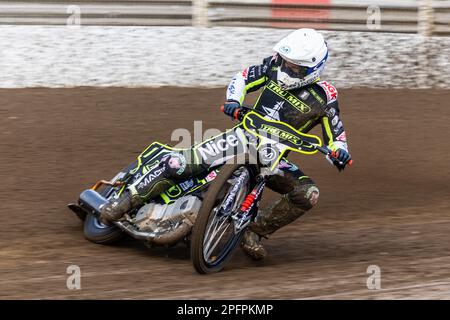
(391, 209)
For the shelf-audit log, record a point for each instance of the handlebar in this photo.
(331, 154)
(240, 113)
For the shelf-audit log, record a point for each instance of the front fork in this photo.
(249, 207)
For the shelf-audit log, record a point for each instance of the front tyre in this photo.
(213, 239)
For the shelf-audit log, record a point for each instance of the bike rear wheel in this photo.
(214, 239)
(97, 232)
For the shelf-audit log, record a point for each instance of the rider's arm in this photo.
(249, 80)
(332, 127)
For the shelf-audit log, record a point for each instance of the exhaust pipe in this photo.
(169, 238)
(91, 201)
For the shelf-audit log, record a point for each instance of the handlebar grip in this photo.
(236, 114)
(332, 154)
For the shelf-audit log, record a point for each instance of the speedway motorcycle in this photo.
(209, 212)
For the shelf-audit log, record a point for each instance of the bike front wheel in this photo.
(214, 237)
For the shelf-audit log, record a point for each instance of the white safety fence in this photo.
(61, 56)
(427, 17)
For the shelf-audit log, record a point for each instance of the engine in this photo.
(168, 223)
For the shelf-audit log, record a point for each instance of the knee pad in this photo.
(304, 196)
(175, 165)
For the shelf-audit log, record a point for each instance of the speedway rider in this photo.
(292, 92)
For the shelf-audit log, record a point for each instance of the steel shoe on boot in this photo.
(115, 209)
(251, 244)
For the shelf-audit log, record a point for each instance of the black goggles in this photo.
(294, 70)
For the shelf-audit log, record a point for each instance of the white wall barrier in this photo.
(61, 56)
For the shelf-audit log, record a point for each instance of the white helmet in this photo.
(304, 53)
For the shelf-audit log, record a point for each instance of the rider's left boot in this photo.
(115, 209)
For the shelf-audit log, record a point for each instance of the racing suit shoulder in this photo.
(328, 91)
(250, 79)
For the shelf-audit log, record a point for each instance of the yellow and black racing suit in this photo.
(302, 108)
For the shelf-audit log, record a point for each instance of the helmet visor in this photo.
(293, 70)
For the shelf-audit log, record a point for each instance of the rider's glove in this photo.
(343, 157)
(230, 107)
